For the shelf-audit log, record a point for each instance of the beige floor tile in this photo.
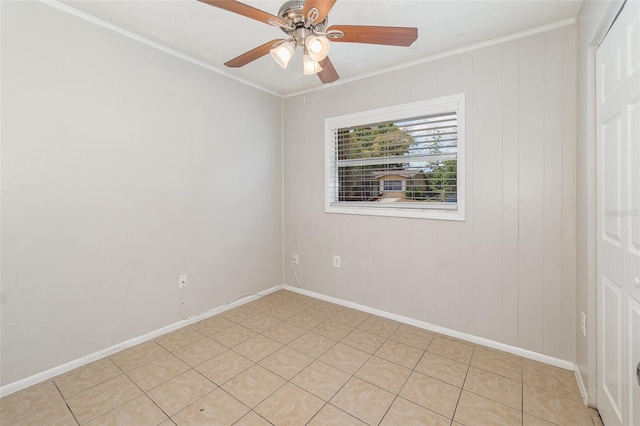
(85, 377)
(238, 314)
(380, 326)
(312, 344)
(218, 408)
(36, 405)
(431, 393)
(200, 351)
(345, 358)
(551, 378)
(252, 419)
(498, 362)
(284, 333)
(406, 413)
(233, 335)
(138, 355)
(224, 367)
(257, 348)
(58, 415)
(158, 371)
(286, 362)
(181, 391)
(321, 379)
(363, 340)
(28, 399)
(400, 353)
(211, 326)
(492, 393)
(139, 411)
(306, 320)
(363, 400)
(529, 420)
(441, 368)
(494, 387)
(351, 317)
(413, 336)
(332, 416)
(474, 410)
(102, 398)
(326, 315)
(289, 405)
(283, 313)
(552, 407)
(333, 329)
(253, 385)
(179, 338)
(451, 349)
(385, 374)
(259, 322)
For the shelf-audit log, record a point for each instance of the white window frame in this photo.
(440, 211)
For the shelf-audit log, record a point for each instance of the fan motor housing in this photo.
(291, 12)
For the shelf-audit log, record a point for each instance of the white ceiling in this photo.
(213, 36)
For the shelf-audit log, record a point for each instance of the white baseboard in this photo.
(567, 365)
(581, 386)
(55, 371)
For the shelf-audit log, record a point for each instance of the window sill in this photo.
(442, 212)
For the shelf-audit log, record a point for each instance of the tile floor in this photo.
(287, 359)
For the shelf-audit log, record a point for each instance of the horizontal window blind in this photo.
(417, 157)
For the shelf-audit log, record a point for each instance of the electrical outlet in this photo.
(295, 259)
(336, 261)
(584, 323)
(182, 281)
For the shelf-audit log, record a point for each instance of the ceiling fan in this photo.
(305, 23)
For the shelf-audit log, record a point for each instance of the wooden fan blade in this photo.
(246, 10)
(393, 36)
(323, 7)
(328, 73)
(252, 55)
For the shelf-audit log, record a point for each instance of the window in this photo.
(392, 185)
(405, 161)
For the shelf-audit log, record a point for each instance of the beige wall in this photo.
(507, 273)
(115, 166)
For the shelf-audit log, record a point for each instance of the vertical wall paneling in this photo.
(505, 272)
(465, 252)
(553, 185)
(531, 191)
(568, 190)
(487, 201)
(510, 175)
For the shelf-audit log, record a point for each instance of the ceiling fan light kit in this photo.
(318, 47)
(310, 66)
(283, 52)
(305, 23)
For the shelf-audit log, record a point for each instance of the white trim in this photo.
(161, 47)
(465, 49)
(55, 371)
(606, 22)
(581, 386)
(567, 365)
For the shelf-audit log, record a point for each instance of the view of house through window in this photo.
(409, 162)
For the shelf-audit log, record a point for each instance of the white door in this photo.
(618, 187)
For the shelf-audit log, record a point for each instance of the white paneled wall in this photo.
(507, 272)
